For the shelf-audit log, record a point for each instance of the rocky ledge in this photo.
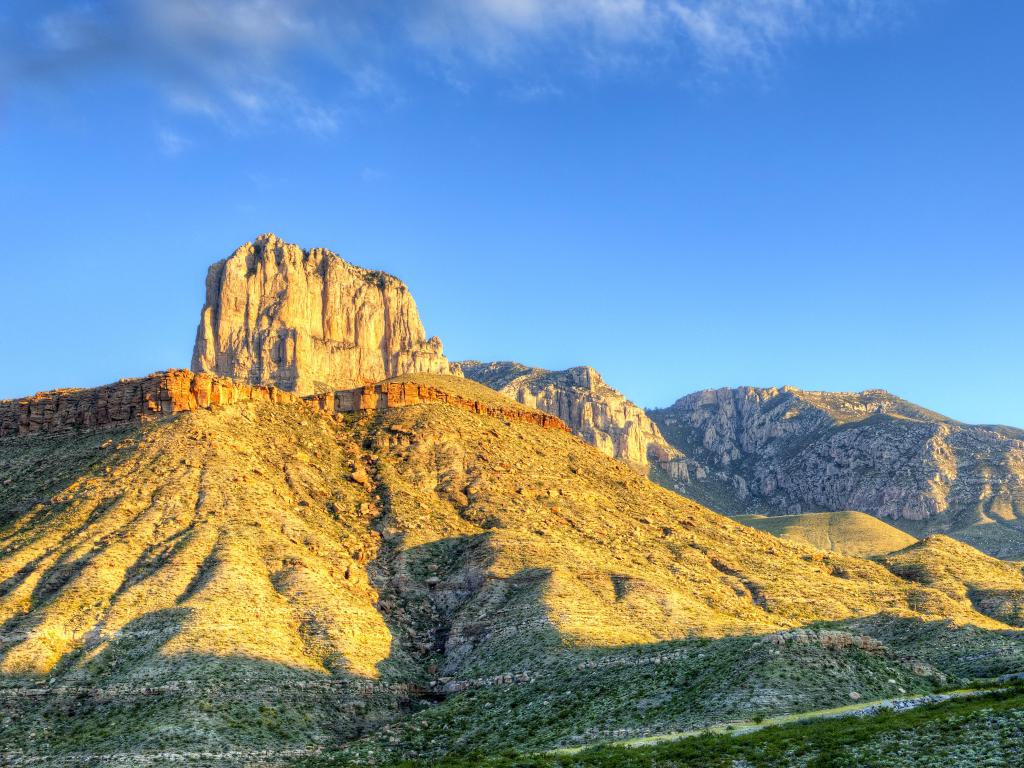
(165, 393)
(374, 397)
(599, 414)
(127, 401)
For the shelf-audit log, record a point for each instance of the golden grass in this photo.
(851, 533)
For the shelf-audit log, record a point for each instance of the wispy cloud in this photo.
(171, 142)
(249, 62)
(725, 31)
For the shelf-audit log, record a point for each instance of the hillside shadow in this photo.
(493, 652)
(122, 694)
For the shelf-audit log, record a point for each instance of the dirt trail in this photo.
(901, 704)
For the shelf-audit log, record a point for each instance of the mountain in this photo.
(789, 451)
(593, 410)
(852, 533)
(307, 321)
(216, 572)
(319, 547)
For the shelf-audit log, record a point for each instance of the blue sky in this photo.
(681, 193)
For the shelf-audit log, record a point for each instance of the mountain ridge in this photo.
(786, 450)
(579, 396)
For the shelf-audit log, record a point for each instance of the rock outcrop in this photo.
(133, 401)
(307, 322)
(395, 394)
(126, 402)
(593, 410)
(789, 451)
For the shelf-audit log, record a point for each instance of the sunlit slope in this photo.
(219, 552)
(994, 587)
(562, 599)
(560, 542)
(852, 533)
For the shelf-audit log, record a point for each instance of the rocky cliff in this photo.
(593, 410)
(128, 401)
(136, 401)
(786, 450)
(307, 321)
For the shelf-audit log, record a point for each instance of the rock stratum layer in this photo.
(596, 412)
(136, 401)
(787, 450)
(401, 394)
(127, 401)
(307, 322)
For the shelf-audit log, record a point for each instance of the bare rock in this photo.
(593, 410)
(307, 321)
(785, 450)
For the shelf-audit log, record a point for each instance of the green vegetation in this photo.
(962, 733)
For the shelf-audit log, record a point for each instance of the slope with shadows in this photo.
(994, 587)
(197, 583)
(415, 581)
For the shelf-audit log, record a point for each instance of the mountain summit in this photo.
(308, 321)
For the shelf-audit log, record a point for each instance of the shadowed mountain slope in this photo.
(994, 587)
(264, 576)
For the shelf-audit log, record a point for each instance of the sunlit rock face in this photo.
(787, 450)
(593, 410)
(307, 321)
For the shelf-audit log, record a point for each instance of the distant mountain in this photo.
(307, 321)
(790, 451)
(593, 410)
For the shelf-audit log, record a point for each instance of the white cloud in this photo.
(757, 29)
(171, 143)
(305, 62)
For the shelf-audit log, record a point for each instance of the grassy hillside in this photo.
(418, 581)
(852, 533)
(198, 583)
(994, 587)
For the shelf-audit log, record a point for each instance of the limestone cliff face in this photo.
(579, 396)
(307, 321)
(785, 450)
